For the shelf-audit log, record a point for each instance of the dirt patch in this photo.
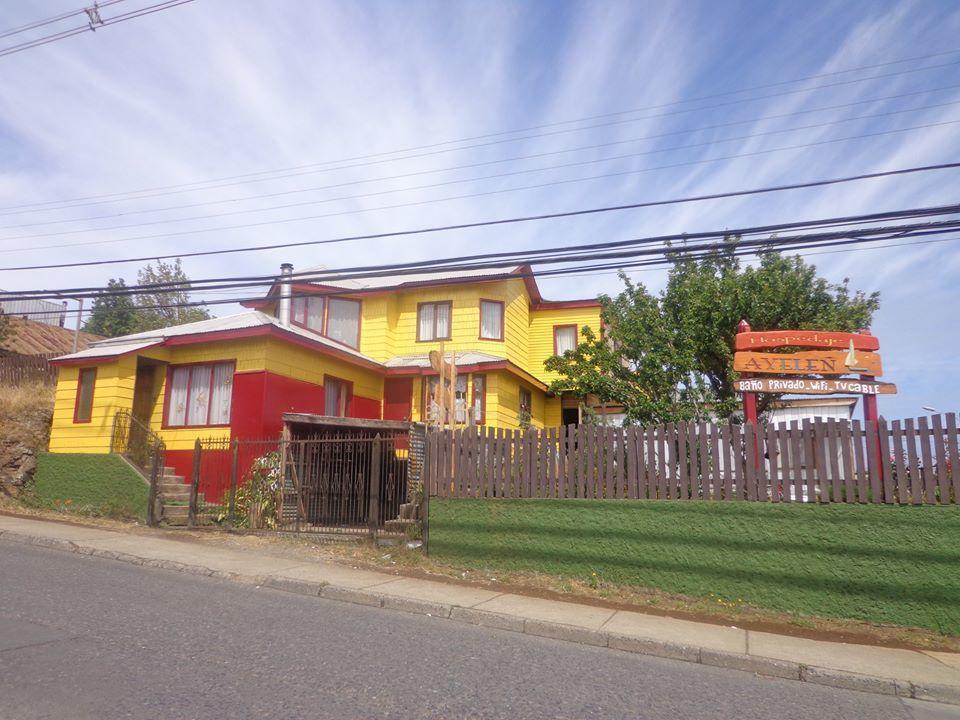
(25, 415)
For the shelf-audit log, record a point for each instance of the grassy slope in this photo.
(101, 485)
(898, 565)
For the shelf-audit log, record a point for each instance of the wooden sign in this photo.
(805, 338)
(815, 362)
(810, 386)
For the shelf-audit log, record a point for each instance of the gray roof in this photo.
(395, 280)
(467, 357)
(240, 321)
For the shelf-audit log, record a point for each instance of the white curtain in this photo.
(425, 322)
(315, 314)
(478, 390)
(221, 393)
(199, 402)
(443, 320)
(334, 398)
(565, 339)
(343, 321)
(177, 407)
(298, 311)
(491, 320)
(461, 398)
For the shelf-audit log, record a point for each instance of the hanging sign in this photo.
(805, 338)
(810, 386)
(816, 362)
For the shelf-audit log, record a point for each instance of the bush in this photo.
(258, 497)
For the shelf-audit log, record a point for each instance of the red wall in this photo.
(257, 406)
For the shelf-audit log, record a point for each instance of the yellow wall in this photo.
(112, 391)
(542, 323)
(299, 363)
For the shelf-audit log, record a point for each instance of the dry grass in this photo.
(23, 398)
(25, 414)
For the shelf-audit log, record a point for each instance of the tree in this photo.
(5, 329)
(112, 315)
(670, 357)
(176, 293)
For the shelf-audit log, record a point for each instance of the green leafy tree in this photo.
(112, 315)
(669, 357)
(159, 308)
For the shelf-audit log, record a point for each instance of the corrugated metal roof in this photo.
(28, 337)
(240, 321)
(401, 279)
(468, 357)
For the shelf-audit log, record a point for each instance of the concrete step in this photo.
(172, 478)
(398, 525)
(175, 511)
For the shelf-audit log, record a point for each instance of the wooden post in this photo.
(234, 473)
(194, 484)
(373, 514)
(152, 519)
(749, 398)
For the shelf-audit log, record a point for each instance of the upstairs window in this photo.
(433, 321)
(491, 320)
(343, 321)
(199, 395)
(308, 312)
(83, 409)
(335, 318)
(564, 338)
(336, 396)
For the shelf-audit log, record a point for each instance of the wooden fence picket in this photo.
(929, 481)
(940, 455)
(954, 470)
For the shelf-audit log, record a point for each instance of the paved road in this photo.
(83, 637)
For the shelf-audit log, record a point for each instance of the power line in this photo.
(622, 248)
(93, 24)
(503, 221)
(189, 187)
(401, 176)
(56, 18)
(647, 265)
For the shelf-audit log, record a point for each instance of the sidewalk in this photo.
(908, 673)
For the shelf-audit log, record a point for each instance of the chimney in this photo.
(286, 290)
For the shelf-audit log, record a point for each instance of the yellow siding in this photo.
(540, 331)
(113, 391)
(300, 363)
(503, 402)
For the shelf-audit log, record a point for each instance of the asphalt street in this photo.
(84, 637)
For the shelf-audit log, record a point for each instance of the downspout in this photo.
(286, 292)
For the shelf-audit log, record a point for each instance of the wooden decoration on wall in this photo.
(810, 386)
(805, 338)
(815, 362)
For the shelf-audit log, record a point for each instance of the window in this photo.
(431, 405)
(199, 395)
(564, 338)
(336, 396)
(343, 321)
(491, 320)
(83, 408)
(308, 312)
(479, 399)
(526, 407)
(433, 321)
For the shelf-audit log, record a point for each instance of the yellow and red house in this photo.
(356, 348)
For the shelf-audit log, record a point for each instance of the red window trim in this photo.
(348, 384)
(76, 400)
(164, 423)
(483, 397)
(436, 338)
(502, 319)
(576, 335)
(326, 317)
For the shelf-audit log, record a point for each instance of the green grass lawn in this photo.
(897, 565)
(99, 485)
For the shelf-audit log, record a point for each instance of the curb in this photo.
(766, 667)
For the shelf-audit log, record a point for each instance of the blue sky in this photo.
(218, 88)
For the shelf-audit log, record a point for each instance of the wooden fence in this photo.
(24, 369)
(907, 462)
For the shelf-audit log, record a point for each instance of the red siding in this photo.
(397, 398)
(361, 407)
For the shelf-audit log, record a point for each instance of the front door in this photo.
(397, 398)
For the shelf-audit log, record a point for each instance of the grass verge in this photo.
(84, 484)
(878, 564)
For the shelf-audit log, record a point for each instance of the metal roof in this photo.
(409, 278)
(467, 357)
(28, 337)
